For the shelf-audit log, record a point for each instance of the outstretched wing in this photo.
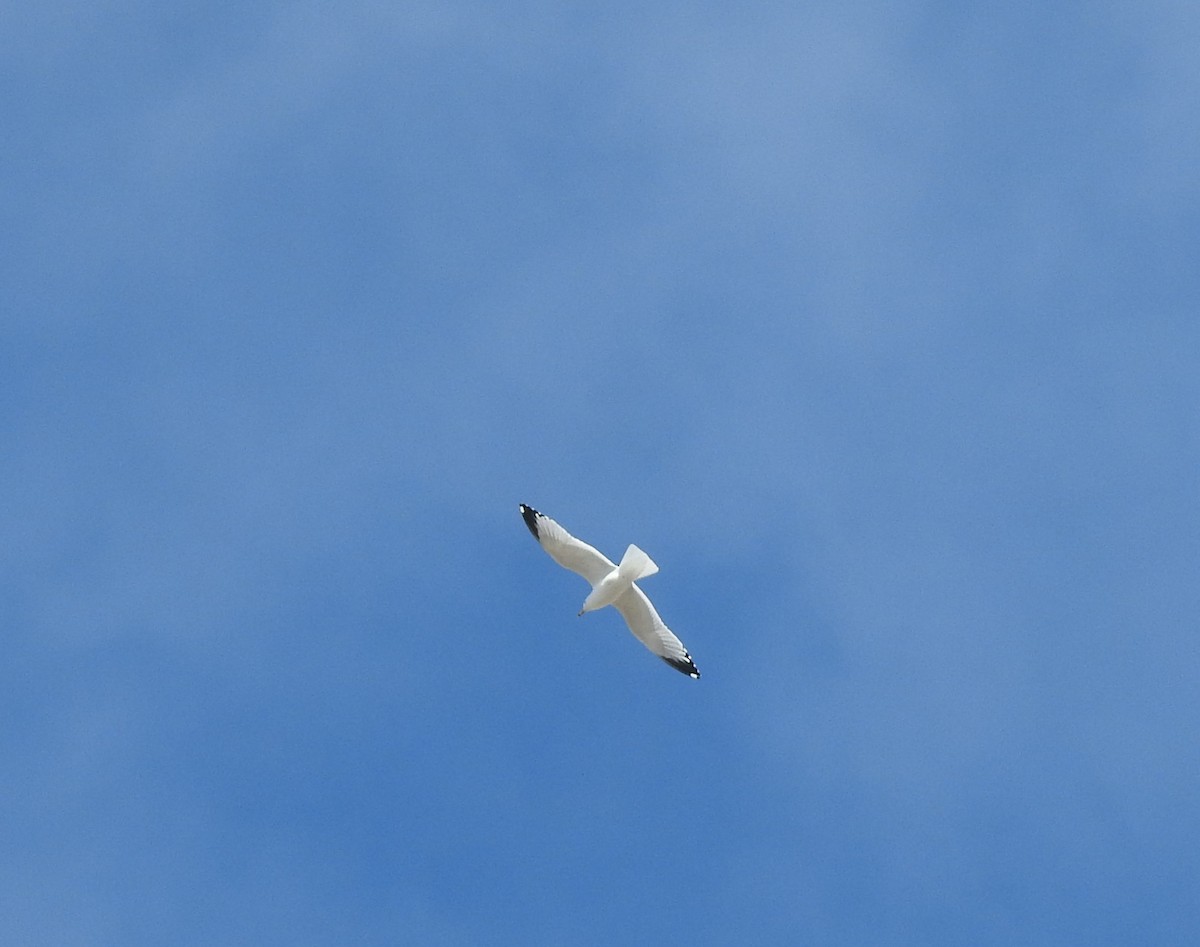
(649, 629)
(565, 549)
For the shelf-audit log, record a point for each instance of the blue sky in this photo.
(876, 326)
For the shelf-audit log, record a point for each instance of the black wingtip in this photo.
(530, 515)
(686, 666)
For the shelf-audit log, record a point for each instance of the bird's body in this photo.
(614, 585)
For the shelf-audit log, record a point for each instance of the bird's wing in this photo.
(649, 629)
(565, 549)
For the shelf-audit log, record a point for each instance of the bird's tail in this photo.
(635, 565)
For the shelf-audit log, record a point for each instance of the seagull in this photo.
(613, 585)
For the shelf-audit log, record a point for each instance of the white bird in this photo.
(613, 585)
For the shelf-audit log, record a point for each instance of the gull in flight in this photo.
(613, 585)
